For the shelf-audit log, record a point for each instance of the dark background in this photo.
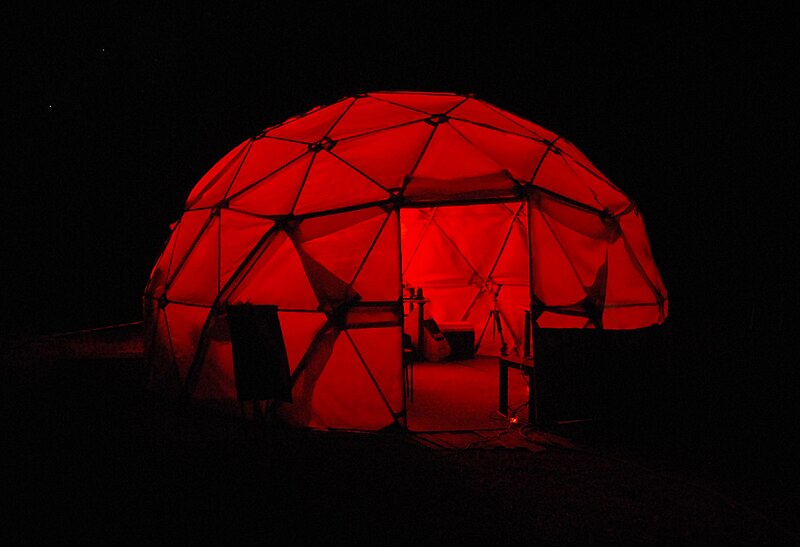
(112, 114)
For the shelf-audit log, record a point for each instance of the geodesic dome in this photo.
(328, 215)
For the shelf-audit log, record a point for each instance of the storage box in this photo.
(460, 335)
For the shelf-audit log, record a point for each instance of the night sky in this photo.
(113, 114)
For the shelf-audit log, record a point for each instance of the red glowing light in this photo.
(329, 214)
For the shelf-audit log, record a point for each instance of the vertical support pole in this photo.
(530, 330)
(408, 375)
(421, 329)
(526, 340)
(404, 365)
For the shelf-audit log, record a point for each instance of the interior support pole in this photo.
(408, 379)
(530, 327)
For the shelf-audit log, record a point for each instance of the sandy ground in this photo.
(88, 455)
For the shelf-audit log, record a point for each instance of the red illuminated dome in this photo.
(328, 215)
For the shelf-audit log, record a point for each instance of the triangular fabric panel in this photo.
(579, 157)
(478, 231)
(368, 114)
(609, 196)
(522, 122)
(342, 251)
(632, 225)
(211, 188)
(386, 156)
(185, 323)
(158, 276)
(431, 103)
(332, 184)
(562, 175)
(239, 234)
(216, 378)
(451, 169)
(275, 195)
(512, 303)
(451, 157)
(278, 278)
(413, 225)
(631, 317)
(323, 226)
(313, 125)
(330, 291)
(437, 262)
(162, 373)
(519, 155)
(198, 280)
(305, 375)
(454, 303)
(627, 283)
(344, 396)
(381, 350)
(477, 113)
(299, 329)
(513, 264)
(557, 175)
(584, 221)
(380, 277)
(265, 157)
(555, 281)
(185, 234)
(586, 254)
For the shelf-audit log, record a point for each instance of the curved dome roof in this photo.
(413, 147)
(325, 218)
